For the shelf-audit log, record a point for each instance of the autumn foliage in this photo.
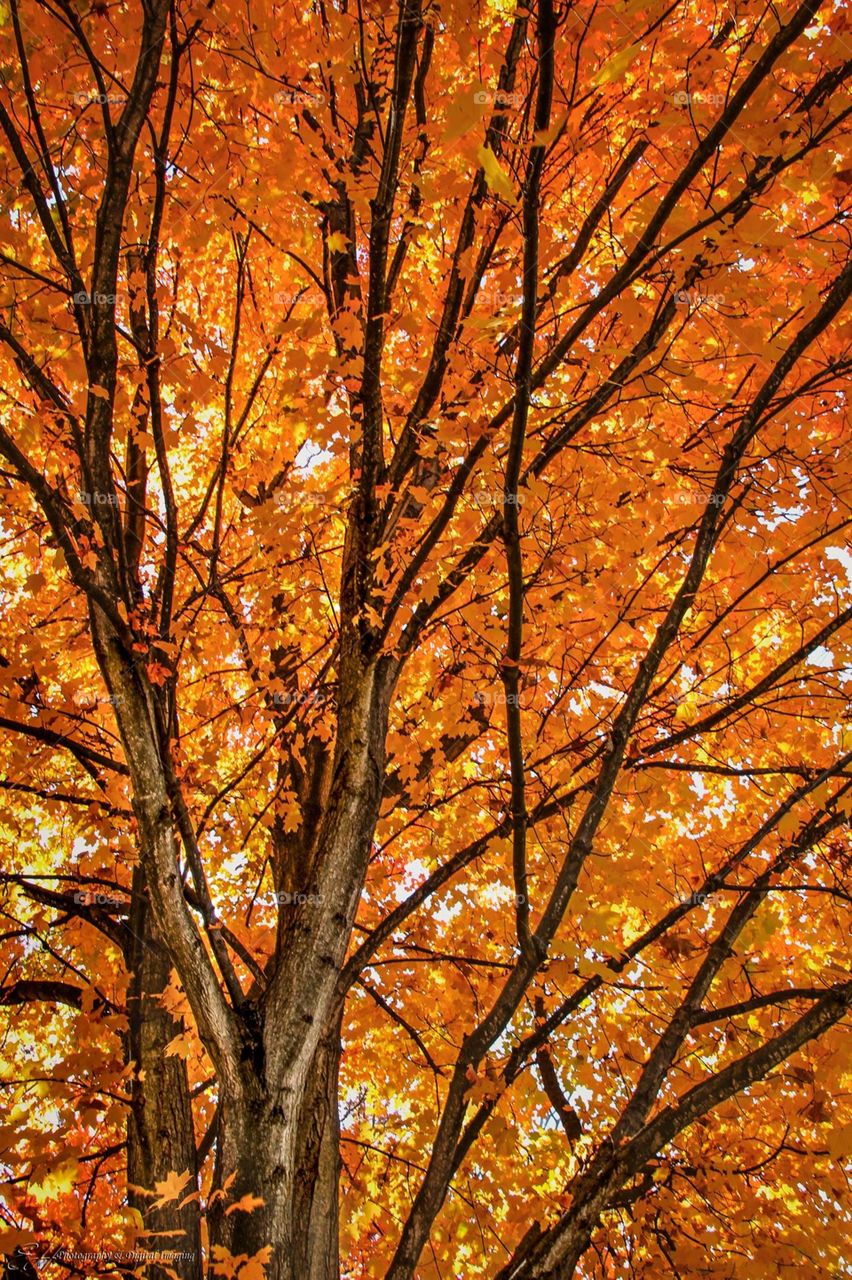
(424, 657)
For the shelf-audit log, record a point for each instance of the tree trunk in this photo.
(160, 1133)
(315, 1198)
(294, 1169)
(276, 1054)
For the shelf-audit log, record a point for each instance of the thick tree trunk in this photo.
(276, 1054)
(279, 1132)
(160, 1134)
(315, 1198)
(293, 1168)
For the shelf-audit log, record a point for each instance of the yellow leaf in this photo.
(615, 68)
(246, 1204)
(840, 1142)
(687, 710)
(53, 1182)
(495, 175)
(337, 242)
(170, 1188)
(255, 1268)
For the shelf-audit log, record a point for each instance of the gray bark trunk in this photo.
(276, 1055)
(293, 1167)
(160, 1133)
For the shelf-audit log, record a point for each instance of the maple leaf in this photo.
(158, 673)
(255, 1267)
(495, 174)
(170, 1188)
(220, 1193)
(241, 1266)
(49, 1183)
(245, 1204)
(181, 1045)
(615, 68)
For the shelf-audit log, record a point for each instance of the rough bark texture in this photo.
(160, 1135)
(276, 1053)
(279, 1128)
(295, 1170)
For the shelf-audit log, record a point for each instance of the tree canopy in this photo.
(424, 673)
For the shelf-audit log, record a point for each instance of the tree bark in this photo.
(293, 1166)
(160, 1133)
(316, 1247)
(279, 1132)
(276, 1054)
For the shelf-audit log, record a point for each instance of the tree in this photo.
(425, 610)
